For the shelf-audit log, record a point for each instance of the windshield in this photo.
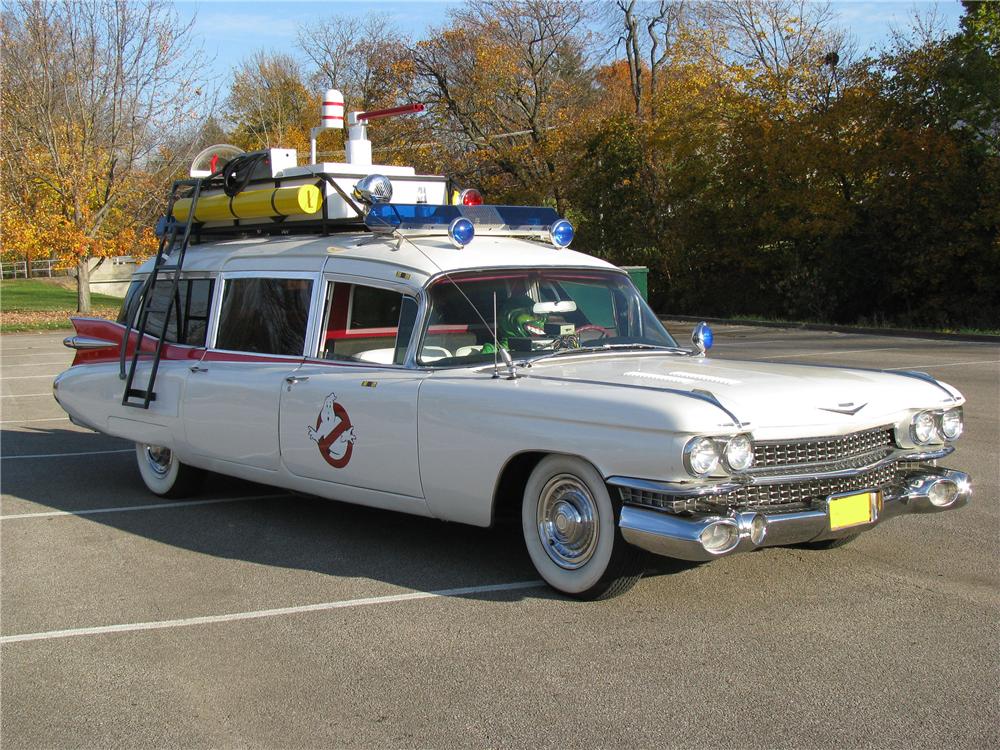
(537, 313)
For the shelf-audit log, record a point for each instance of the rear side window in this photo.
(267, 316)
(188, 322)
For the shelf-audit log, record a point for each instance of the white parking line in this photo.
(750, 342)
(64, 455)
(31, 421)
(835, 352)
(27, 395)
(127, 508)
(262, 613)
(953, 364)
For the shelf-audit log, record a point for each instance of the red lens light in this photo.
(471, 197)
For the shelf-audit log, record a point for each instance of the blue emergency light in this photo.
(421, 218)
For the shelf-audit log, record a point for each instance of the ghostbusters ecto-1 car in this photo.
(366, 334)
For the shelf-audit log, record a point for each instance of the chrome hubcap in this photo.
(567, 521)
(158, 459)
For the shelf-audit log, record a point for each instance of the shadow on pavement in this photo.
(293, 531)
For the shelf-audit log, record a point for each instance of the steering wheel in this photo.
(602, 331)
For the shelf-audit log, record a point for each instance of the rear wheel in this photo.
(570, 526)
(163, 474)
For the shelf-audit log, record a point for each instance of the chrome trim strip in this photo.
(86, 342)
(673, 488)
(926, 378)
(688, 394)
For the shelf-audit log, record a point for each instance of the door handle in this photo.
(196, 368)
(293, 379)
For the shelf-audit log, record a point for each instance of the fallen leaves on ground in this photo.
(32, 320)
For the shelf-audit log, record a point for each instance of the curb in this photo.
(891, 332)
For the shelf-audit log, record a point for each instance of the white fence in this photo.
(49, 268)
(19, 269)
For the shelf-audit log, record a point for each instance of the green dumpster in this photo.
(640, 277)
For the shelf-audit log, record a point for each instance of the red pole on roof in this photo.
(375, 114)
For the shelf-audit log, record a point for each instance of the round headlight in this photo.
(924, 427)
(702, 456)
(739, 453)
(952, 423)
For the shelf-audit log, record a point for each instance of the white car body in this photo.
(455, 443)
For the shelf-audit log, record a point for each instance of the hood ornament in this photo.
(848, 408)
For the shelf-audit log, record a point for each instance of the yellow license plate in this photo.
(851, 510)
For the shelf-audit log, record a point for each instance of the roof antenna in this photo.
(498, 350)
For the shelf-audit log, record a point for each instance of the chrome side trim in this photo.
(917, 374)
(696, 394)
(86, 342)
(676, 489)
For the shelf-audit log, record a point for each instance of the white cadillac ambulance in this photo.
(363, 333)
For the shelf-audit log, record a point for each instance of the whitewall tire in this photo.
(570, 526)
(163, 474)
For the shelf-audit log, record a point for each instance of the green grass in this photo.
(31, 295)
(33, 305)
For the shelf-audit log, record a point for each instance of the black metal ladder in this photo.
(175, 237)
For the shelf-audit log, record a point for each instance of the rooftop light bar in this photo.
(423, 218)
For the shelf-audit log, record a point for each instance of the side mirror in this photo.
(702, 337)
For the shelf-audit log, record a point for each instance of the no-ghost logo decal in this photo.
(334, 433)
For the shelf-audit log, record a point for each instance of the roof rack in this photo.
(267, 193)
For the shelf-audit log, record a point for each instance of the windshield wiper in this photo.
(603, 348)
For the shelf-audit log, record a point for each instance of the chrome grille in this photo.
(789, 495)
(769, 498)
(867, 444)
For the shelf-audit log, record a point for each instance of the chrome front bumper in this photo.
(681, 536)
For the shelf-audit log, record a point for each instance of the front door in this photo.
(349, 414)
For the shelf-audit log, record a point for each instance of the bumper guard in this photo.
(686, 538)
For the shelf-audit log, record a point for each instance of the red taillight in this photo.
(471, 197)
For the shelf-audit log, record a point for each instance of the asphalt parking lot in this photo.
(255, 618)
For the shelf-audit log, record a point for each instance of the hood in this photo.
(767, 396)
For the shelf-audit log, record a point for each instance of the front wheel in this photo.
(163, 474)
(570, 527)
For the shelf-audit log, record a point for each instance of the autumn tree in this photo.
(271, 104)
(502, 81)
(367, 59)
(91, 87)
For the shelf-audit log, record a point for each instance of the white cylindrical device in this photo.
(333, 109)
(332, 117)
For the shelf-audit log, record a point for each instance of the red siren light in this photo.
(470, 197)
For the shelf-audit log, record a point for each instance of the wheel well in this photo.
(510, 486)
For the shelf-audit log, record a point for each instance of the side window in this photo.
(367, 324)
(188, 323)
(268, 316)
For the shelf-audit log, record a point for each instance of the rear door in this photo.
(349, 416)
(233, 393)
